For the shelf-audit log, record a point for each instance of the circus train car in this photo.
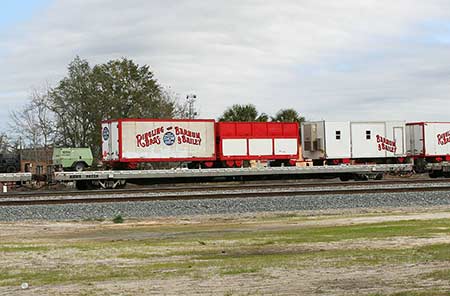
(353, 142)
(238, 142)
(199, 143)
(428, 143)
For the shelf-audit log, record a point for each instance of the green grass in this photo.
(229, 263)
(432, 292)
(136, 255)
(186, 234)
(239, 270)
(14, 248)
(439, 275)
(95, 273)
(223, 250)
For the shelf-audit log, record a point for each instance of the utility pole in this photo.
(190, 99)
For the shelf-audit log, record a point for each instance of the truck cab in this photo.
(9, 163)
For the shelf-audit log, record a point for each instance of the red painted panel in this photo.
(255, 130)
(259, 129)
(226, 129)
(243, 129)
(275, 129)
(290, 130)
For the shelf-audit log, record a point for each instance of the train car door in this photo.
(399, 135)
(364, 137)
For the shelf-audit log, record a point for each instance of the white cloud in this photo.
(329, 59)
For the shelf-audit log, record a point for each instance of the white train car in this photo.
(429, 144)
(153, 140)
(341, 142)
(428, 139)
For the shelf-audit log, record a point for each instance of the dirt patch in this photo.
(309, 281)
(99, 230)
(184, 256)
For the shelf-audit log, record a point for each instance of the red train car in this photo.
(239, 141)
(127, 142)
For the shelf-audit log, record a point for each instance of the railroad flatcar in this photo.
(327, 142)
(205, 143)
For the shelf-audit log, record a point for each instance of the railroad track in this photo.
(228, 186)
(211, 191)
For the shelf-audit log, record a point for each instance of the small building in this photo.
(37, 161)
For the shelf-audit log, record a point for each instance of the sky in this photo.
(333, 60)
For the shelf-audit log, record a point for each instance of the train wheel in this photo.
(361, 177)
(435, 174)
(83, 185)
(345, 178)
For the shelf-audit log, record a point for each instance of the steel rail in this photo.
(227, 195)
(211, 187)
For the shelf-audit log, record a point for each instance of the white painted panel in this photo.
(418, 139)
(260, 147)
(110, 143)
(105, 141)
(234, 147)
(399, 134)
(363, 147)
(337, 146)
(395, 133)
(437, 138)
(168, 139)
(114, 126)
(286, 146)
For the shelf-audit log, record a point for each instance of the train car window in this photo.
(367, 135)
(338, 135)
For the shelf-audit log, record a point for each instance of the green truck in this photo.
(77, 159)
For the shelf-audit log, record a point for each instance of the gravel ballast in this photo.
(155, 209)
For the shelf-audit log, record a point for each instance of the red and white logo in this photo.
(386, 144)
(444, 138)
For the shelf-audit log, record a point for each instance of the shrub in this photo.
(118, 219)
